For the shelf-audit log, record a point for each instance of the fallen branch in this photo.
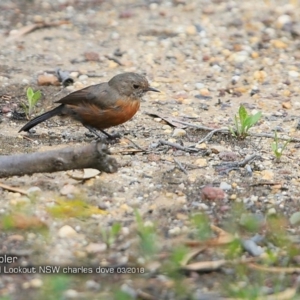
(93, 155)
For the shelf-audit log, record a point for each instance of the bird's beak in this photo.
(151, 89)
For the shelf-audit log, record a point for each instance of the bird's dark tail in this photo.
(43, 117)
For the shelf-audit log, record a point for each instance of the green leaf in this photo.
(115, 229)
(254, 119)
(242, 113)
(237, 127)
(36, 96)
(29, 93)
(285, 145)
(232, 131)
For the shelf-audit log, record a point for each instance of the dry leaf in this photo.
(83, 174)
(205, 266)
(21, 221)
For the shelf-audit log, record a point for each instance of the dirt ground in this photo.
(206, 57)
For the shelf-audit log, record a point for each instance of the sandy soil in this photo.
(206, 58)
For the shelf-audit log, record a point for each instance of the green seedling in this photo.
(147, 235)
(277, 148)
(54, 287)
(202, 227)
(32, 100)
(109, 236)
(243, 122)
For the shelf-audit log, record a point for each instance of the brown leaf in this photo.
(21, 221)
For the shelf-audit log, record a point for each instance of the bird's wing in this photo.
(92, 95)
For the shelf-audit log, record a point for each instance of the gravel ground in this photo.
(206, 57)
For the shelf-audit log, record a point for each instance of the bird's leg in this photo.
(94, 131)
(111, 136)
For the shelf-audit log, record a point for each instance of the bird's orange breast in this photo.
(92, 115)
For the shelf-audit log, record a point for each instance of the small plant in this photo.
(109, 236)
(202, 227)
(243, 122)
(32, 100)
(277, 148)
(147, 235)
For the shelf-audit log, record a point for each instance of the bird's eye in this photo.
(136, 86)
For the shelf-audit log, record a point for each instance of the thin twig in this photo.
(225, 130)
(114, 60)
(209, 136)
(134, 144)
(145, 296)
(271, 136)
(265, 183)
(180, 166)
(126, 151)
(12, 189)
(226, 167)
(177, 146)
(195, 126)
(27, 138)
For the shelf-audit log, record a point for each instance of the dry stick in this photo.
(134, 144)
(114, 60)
(177, 146)
(180, 166)
(195, 126)
(12, 189)
(93, 155)
(225, 167)
(209, 136)
(145, 296)
(271, 136)
(225, 130)
(27, 138)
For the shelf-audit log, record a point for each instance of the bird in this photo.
(101, 106)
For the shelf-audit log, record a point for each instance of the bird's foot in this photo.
(105, 137)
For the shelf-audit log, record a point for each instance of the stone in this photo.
(178, 132)
(67, 232)
(212, 193)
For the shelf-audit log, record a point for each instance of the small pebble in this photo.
(225, 186)
(178, 132)
(295, 218)
(294, 74)
(271, 211)
(212, 193)
(233, 197)
(83, 77)
(92, 285)
(36, 283)
(191, 30)
(33, 190)
(96, 247)
(129, 290)
(67, 232)
(174, 231)
(71, 294)
(201, 162)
